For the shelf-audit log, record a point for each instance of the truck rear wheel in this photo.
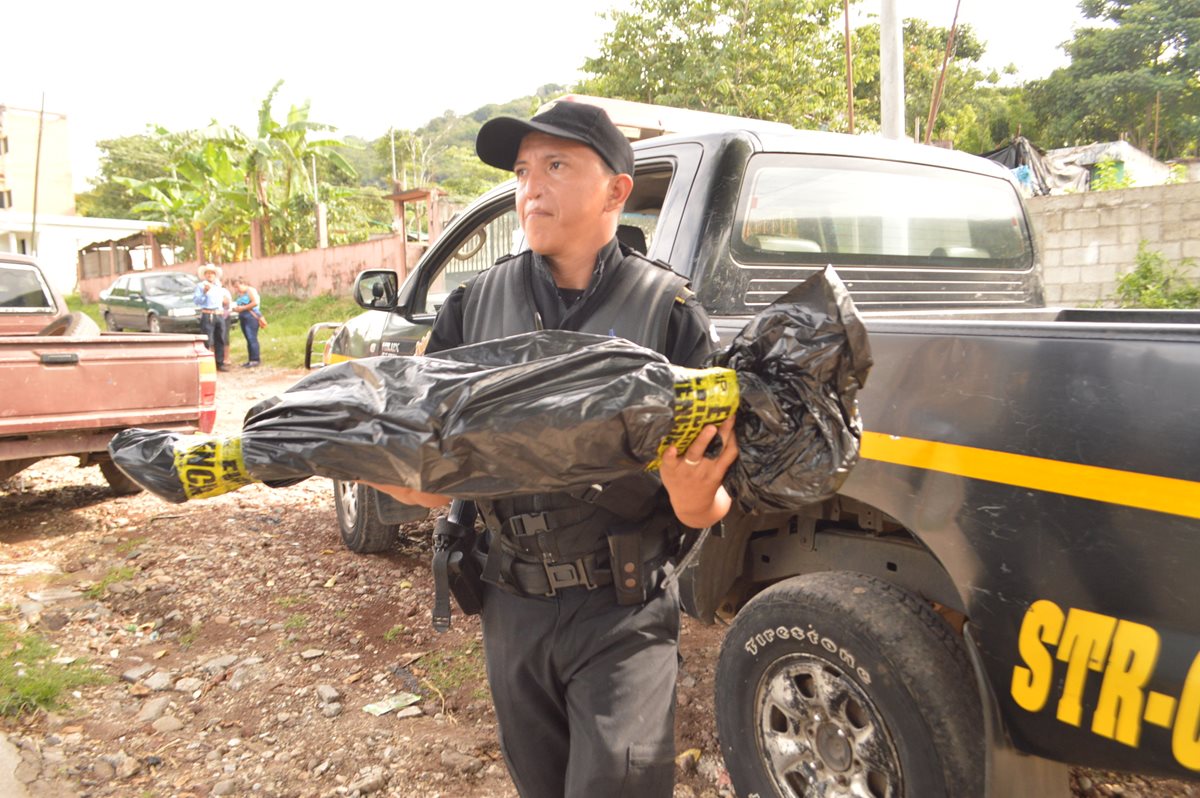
(840, 684)
(358, 519)
(116, 479)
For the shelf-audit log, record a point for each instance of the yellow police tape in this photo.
(211, 466)
(702, 396)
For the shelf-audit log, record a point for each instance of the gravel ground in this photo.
(242, 643)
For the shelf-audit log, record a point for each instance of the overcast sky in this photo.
(115, 67)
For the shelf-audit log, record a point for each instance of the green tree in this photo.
(220, 181)
(460, 172)
(275, 160)
(141, 156)
(371, 168)
(203, 194)
(770, 59)
(1137, 73)
(975, 112)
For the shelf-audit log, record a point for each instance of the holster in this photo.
(455, 570)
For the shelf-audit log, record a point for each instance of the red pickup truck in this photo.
(68, 388)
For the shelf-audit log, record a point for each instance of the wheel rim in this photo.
(153, 323)
(821, 736)
(347, 494)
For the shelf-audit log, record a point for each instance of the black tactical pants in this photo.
(584, 691)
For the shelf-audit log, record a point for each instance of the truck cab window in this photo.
(639, 220)
(884, 222)
(478, 248)
(22, 288)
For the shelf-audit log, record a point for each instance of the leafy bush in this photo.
(1154, 283)
(1109, 174)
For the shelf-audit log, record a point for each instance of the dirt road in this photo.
(241, 642)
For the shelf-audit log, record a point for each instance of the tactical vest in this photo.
(624, 515)
(636, 307)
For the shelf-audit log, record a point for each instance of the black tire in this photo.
(117, 481)
(153, 324)
(110, 321)
(841, 684)
(358, 519)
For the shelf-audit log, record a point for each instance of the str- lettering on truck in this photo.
(1007, 583)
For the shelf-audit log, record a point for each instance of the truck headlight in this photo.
(177, 312)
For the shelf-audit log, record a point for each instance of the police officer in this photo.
(580, 629)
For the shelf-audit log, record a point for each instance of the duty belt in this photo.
(546, 578)
(503, 566)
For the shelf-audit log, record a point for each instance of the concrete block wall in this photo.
(1088, 240)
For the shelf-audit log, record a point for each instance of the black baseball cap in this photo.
(499, 139)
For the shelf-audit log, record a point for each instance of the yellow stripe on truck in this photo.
(1129, 488)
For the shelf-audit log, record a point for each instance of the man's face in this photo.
(564, 190)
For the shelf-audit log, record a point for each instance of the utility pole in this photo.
(849, 68)
(392, 132)
(936, 100)
(322, 211)
(891, 71)
(1157, 107)
(37, 167)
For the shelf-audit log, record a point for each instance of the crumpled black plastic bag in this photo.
(800, 363)
(553, 410)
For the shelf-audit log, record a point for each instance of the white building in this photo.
(59, 239)
(35, 170)
(1139, 167)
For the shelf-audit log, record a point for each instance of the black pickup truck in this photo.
(1005, 583)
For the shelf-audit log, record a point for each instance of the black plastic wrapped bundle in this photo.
(549, 411)
(799, 363)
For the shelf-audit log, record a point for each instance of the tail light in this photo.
(208, 387)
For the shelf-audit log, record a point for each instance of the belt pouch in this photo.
(625, 553)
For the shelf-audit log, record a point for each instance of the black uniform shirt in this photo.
(689, 333)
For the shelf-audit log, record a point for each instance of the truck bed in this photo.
(66, 395)
(1054, 461)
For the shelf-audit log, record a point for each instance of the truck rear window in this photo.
(21, 289)
(876, 216)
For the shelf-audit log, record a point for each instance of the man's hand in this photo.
(693, 481)
(410, 496)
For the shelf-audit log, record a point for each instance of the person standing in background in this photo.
(246, 304)
(209, 297)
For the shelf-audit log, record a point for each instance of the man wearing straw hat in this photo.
(210, 299)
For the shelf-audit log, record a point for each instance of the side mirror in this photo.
(377, 289)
